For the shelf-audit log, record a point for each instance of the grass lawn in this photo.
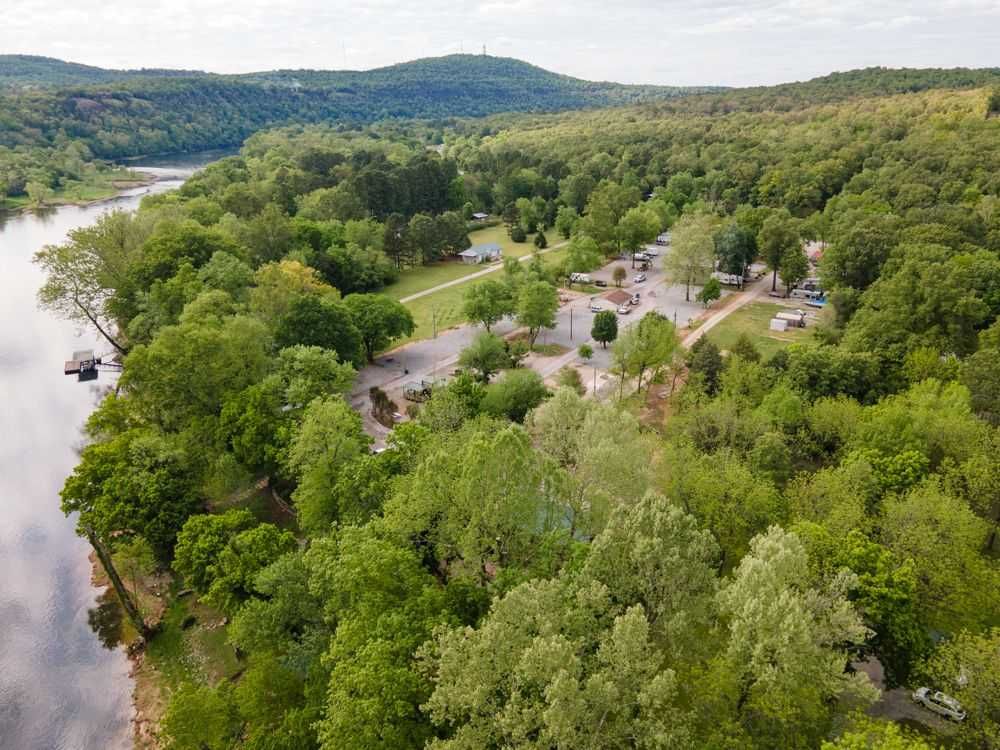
(753, 320)
(414, 280)
(443, 309)
(94, 187)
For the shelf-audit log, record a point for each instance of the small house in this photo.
(480, 216)
(485, 253)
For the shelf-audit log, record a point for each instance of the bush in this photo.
(517, 233)
(569, 377)
(540, 242)
(514, 396)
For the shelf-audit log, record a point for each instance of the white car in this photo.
(939, 703)
(624, 310)
(639, 278)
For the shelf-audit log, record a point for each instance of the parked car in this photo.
(642, 257)
(651, 251)
(600, 282)
(595, 306)
(635, 298)
(939, 703)
(624, 310)
(579, 278)
(639, 278)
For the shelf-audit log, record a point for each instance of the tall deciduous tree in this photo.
(692, 251)
(488, 302)
(787, 642)
(537, 303)
(778, 235)
(486, 355)
(379, 320)
(604, 327)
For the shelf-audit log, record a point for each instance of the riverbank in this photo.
(102, 187)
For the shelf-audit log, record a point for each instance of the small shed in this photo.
(618, 297)
(484, 253)
(480, 216)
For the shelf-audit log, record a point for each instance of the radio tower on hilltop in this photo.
(484, 50)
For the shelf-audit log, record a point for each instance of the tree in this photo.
(486, 355)
(396, 241)
(793, 268)
(424, 238)
(329, 324)
(787, 642)
(639, 226)
(246, 554)
(329, 438)
(479, 497)
(618, 275)
(540, 242)
(566, 221)
(569, 377)
(654, 554)
(83, 274)
(745, 349)
(692, 251)
(736, 248)
(583, 255)
(650, 345)
(488, 302)
(379, 320)
(981, 375)
(778, 235)
(38, 193)
(873, 734)
(710, 292)
(604, 327)
(558, 662)
(537, 303)
(968, 668)
(585, 351)
(945, 539)
(201, 541)
(515, 395)
(384, 605)
(704, 359)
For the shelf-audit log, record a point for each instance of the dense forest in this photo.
(114, 114)
(522, 567)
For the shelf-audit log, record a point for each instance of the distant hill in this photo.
(33, 70)
(127, 113)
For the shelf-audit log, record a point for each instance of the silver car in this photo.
(939, 703)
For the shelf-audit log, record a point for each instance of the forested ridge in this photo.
(523, 567)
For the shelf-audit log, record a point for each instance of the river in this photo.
(64, 681)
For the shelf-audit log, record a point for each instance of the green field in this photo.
(443, 309)
(95, 187)
(753, 320)
(415, 280)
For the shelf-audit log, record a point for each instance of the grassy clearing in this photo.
(416, 280)
(95, 187)
(753, 320)
(443, 309)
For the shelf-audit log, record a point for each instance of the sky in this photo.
(631, 41)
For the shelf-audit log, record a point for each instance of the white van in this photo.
(579, 278)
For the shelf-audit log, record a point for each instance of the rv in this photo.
(579, 278)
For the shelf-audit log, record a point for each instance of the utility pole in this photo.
(571, 323)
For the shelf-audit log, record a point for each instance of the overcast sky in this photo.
(633, 41)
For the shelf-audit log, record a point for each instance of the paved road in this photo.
(478, 274)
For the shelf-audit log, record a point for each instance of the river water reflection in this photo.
(63, 680)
